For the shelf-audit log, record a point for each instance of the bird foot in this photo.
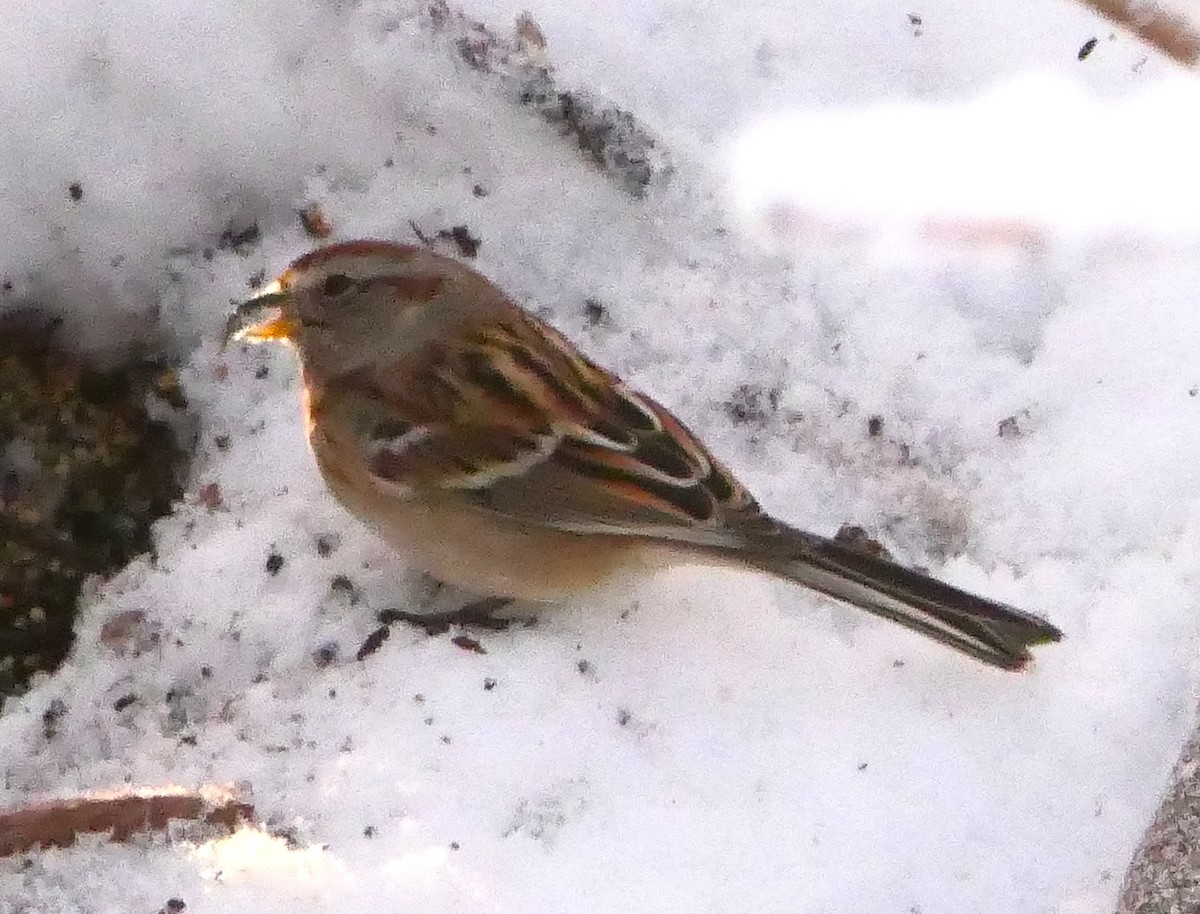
(479, 613)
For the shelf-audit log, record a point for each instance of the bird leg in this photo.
(479, 613)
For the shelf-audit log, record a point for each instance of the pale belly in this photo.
(491, 557)
(484, 553)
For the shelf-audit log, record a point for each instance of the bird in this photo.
(492, 453)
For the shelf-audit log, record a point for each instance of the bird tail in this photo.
(984, 629)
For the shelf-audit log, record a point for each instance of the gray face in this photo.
(346, 323)
(357, 305)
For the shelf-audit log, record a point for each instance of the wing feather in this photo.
(529, 428)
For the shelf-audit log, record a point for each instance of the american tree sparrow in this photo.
(485, 446)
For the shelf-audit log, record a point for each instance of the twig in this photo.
(58, 823)
(1169, 32)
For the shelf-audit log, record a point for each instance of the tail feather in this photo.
(986, 630)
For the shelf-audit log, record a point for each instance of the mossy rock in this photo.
(85, 469)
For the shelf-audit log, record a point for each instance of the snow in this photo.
(702, 740)
(1026, 150)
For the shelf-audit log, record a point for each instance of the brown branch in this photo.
(57, 823)
(1170, 33)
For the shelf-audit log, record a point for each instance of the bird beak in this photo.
(264, 317)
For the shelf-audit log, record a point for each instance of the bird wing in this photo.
(516, 420)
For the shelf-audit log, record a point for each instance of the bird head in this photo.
(355, 303)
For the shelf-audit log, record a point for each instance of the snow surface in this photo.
(703, 740)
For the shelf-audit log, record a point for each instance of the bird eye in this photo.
(336, 284)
